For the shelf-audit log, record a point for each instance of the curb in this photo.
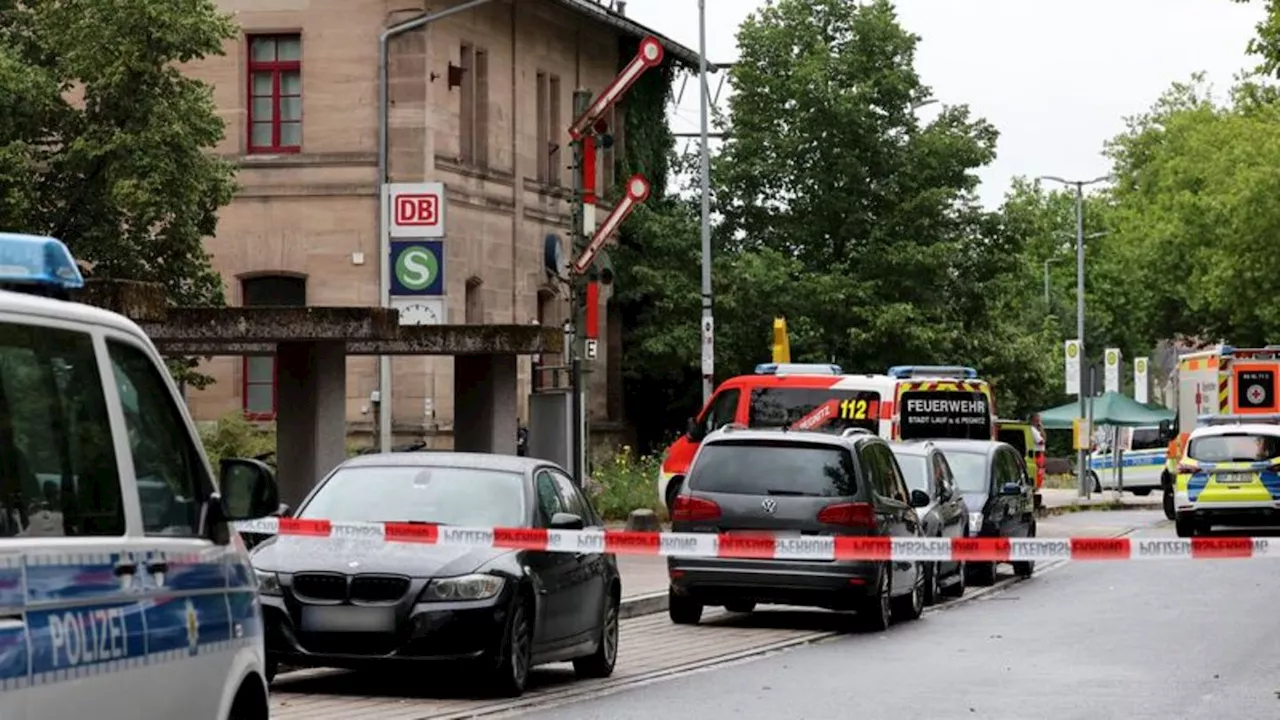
(639, 605)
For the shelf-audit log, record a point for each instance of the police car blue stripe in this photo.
(81, 619)
(1106, 462)
(13, 653)
(12, 593)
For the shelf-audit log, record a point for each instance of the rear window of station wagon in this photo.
(773, 468)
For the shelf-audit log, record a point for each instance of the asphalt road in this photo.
(1133, 640)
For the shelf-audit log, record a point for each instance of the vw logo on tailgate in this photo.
(770, 505)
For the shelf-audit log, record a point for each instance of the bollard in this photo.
(643, 520)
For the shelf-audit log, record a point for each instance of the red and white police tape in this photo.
(798, 547)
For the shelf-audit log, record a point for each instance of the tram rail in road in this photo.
(651, 648)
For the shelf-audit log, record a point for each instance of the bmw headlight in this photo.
(268, 583)
(464, 587)
(975, 523)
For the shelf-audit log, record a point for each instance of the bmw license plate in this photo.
(1233, 478)
(344, 618)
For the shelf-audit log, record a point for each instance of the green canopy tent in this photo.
(1110, 408)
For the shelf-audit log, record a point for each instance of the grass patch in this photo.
(624, 483)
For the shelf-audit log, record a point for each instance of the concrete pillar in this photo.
(311, 417)
(485, 403)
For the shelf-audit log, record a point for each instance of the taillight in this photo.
(858, 515)
(692, 509)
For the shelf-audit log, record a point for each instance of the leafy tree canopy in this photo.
(105, 144)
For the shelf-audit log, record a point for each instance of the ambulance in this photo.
(908, 402)
(1221, 380)
(1234, 385)
(125, 591)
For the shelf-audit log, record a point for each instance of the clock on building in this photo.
(420, 311)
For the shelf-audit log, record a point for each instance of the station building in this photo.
(479, 101)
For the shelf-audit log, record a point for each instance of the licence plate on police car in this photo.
(348, 619)
(1233, 478)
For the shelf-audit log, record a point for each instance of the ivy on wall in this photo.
(647, 139)
(655, 267)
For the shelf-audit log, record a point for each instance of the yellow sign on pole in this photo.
(781, 346)
(1081, 435)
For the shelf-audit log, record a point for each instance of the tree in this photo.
(105, 144)
(1196, 212)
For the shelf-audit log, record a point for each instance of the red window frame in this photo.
(276, 68)
(245, 385)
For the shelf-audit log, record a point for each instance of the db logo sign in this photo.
(416, 210)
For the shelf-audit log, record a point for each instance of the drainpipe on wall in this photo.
(384, 240)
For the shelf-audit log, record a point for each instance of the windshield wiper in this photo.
(788, 493)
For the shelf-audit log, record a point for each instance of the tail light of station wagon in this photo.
(693, 509)
(854, 515)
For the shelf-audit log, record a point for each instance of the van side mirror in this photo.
(919, 498)
(695, 430)
(284, 511)
(248, 489)
(1009, 489)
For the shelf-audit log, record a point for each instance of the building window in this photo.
(258, 391)
(473, 112)
(544, 138)
(552, 148)
(474, 311)
(609, 159)
(275, 93)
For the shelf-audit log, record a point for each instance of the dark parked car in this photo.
(358, 602)
(926, 471)
(1000, 496)
(792, 484)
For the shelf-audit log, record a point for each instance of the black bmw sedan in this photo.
(351, 601)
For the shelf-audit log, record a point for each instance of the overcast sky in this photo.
(1056, 78)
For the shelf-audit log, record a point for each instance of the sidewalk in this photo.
(644, 584)
(1059, 500)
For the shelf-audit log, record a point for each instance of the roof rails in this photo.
(855, 431)
(798, 369)
(733, 426)
(903, 372)
(1216, 420)
(37, 265)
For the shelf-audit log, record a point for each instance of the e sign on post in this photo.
(1112, 369)
(1072, 364)
(1140, 380)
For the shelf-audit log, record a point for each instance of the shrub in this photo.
(624, 483)
(234, 437)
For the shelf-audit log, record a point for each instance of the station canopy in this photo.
(1111, 408)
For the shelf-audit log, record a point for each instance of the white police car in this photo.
(124, 592)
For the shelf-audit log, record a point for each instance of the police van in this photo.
(124, 590)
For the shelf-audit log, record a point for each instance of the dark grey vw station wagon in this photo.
(792, 483)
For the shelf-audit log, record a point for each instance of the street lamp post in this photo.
(1082, 457)
(704, 157)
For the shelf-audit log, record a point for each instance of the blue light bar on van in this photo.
(1259, 419)
(798, 369)
(32, 260)
(903, 372)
